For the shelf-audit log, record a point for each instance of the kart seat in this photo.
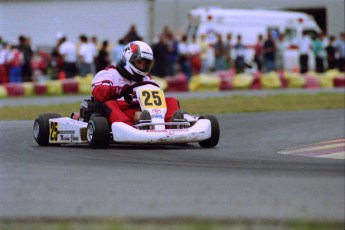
(91, 107)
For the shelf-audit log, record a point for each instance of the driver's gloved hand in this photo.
(126, 91)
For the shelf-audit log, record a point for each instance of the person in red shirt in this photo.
(258, 52)
(113, 84)
(15, 61)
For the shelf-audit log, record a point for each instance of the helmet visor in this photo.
(144, 65)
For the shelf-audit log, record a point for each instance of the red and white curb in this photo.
(334, 149)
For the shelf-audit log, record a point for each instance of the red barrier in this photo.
(283, 79)
(226, 77)
(14, 89)
(178, 83)
(40, 89)
(312, 82)
(339, 81)
(256, 82)
(70, 86)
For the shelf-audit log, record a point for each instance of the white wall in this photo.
(110, 19)
(41, 20)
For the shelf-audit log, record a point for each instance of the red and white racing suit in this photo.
(106, 87)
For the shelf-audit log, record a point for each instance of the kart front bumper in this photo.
(124, 133)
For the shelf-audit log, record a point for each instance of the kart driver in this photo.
(113, 84)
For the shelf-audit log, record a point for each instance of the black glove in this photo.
(126, 91)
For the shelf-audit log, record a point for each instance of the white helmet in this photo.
(137, 59)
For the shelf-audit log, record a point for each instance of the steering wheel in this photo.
(144, 83)
(129, 98)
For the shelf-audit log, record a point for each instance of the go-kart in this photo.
(91, 126)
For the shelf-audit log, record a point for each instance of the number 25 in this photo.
(155, 97)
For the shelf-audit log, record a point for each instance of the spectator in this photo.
(4, 55)
(304, 48)
(172, 53)
(94, 42)
(25, 48)
(219, 53)
(16, 61)
(269, 51)
(325, 40)
(340, 45)
(56, 62)
(160, 53)
(68, 52)
(319, 53)
(167, 30)
(103, 59)
(331, 52)
(183, 53)
(194, 57)
(204, 47)
(240, 52)
(116, 52)
(228, 50)
(258, 59)
(86, 56)
(132, 34)
(281, 47)
(96, 48)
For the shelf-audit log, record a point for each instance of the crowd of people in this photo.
(171, 55)
(192, 56)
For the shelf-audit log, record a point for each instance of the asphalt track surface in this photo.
(242, 178)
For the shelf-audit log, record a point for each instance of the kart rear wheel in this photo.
(41, 129)
(213, 140)
(98, 133)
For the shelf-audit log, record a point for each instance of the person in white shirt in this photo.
(304, 48)
(68, 52)
(4, 56)
(340, 45)
(194, 51)
(204, 47)
(184, 55)
(87, 53)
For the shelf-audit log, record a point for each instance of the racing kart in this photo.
(91, 126)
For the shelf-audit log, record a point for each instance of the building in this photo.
(110, 19)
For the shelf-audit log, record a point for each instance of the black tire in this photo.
(98, 133)
(215, 131)
(96, 115)
(41, 128)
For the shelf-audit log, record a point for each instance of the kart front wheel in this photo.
(41, 129)
(98, 133)
(213, 140)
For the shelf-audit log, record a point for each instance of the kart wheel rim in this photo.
(36, 129)
(89, 133)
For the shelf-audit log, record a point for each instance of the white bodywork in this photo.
(151, 98)
(66, 130)
(200, 131)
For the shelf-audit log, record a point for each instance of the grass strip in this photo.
(230, 104)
